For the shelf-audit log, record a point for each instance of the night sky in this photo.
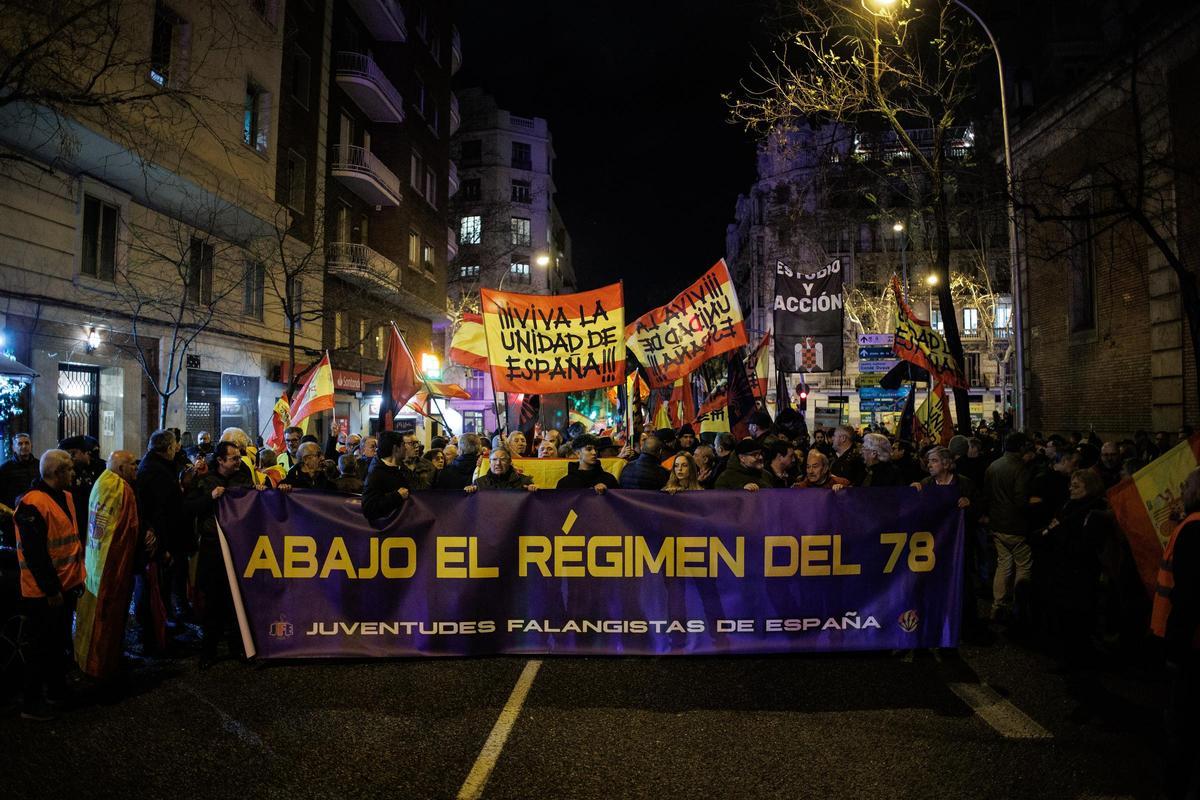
(648, 168)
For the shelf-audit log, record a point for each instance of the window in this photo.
(936, 319)
(253, 278)
(472, 421)
(255, 113)
(522, 155)
(469, 190)
(99, 238)
(294, 178)
(414, 248)
(298, 303)
(239, 402)
(419, 96)
(520, 192)
(416, 171)
(470, 230)
(427, 256)
(431, 193)
(301, 74)
(1081, 280)
(381, 339)
(521, 235)
(971, 321)
(166, 46)
(468, 272)
(200, 272)
(476, 383)
(1002, 323)
(472, 153)
(340, 331)
(363, 337)
(974, 372)
(518, 271)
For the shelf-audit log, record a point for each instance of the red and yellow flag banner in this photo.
(315, 395)
(760, 362)
(933, 417)
(703, 321)
(541, 344)
(468, 347)
(917, 342)
(1149, 505)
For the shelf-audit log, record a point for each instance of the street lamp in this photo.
(931, 280)
(898, 227)
(543, 260)
(1010, 184)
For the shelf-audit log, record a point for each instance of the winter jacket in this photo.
(1006, 495)
(509, 480)
(644, 472)
(458, 474)
(380, 497)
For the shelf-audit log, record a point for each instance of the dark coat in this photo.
(299, 479)
(736, 476)
(348, 484)
(160, 504)
(849, 465)
(644, 472)
(509, 480)
(380, 498)
(458, 474)
(883, 473)
(1006, 495)
(577, 478)
(199, 500)
(16, 476)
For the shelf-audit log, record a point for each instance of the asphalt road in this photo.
(998, 722)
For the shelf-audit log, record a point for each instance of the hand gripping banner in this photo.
(573, 572)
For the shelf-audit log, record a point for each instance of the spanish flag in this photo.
(469, 345)
(760, 362)
(279, 421)
(315, 395)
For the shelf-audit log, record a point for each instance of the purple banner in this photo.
(627, 572)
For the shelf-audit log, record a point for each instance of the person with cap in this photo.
(52, 572)
(587, 473)
(387, 484)
(83, 449)
(685, 439)
(501, 475)
(745, 470)
(645, 472)
(759, 424)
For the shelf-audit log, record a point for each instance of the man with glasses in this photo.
(745, 471)
(501, 475)
(291, 440)
(421, 471)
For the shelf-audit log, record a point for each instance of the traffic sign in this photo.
(877, 366)
(873, 399)
(875, 353)
(876, 339)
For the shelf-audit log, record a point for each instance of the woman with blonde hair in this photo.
(685, 475)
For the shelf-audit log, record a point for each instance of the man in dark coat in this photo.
(19, 472)
(745, 469)
(1006, 505)
(645, 471)
(501, 475)
(387, 484)
(588, 473)
(226, 470)
(846, 462)
(460, 471)
(85, 452)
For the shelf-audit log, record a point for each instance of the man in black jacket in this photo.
(645, 471)
(588, 473)
(745, 469)
(19, 472)
(388, 481)
(846, 462)
(501, 475)
(460, 472)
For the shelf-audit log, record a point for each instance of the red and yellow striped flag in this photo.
(469, 345)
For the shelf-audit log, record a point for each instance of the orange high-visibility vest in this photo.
(62, 540)
(1166, 582)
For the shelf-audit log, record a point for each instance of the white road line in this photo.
(1008, 720)
(477, 778)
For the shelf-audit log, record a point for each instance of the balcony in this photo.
(384, 18)
(362, 79)
(455, 116)
(363, 267)
(451, 245)
(455, 50)
(362, 173)
(452, 176)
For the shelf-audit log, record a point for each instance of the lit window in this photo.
(468, 271)
(255, 113)
(470, 230)
(414, 248)
(427, 256)
(521, 235)
(970, 321)
(518, 272)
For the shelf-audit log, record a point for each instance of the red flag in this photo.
(401, 380)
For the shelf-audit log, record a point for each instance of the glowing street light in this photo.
(543, 260)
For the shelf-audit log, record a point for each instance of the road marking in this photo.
(232, 725)
(477, 778)
(1005, 718)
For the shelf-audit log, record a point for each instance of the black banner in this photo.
(808, 318)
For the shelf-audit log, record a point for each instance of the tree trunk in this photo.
(962, 404)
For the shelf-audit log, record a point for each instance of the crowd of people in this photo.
(1045, 558)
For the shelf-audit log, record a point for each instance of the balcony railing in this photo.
(384, 18)
(451, 244)
(452, 176)
(455, 50)
(364, 174)
(362, 266)
(455, 116)
(362, 79)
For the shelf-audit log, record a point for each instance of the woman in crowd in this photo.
(685, 475)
